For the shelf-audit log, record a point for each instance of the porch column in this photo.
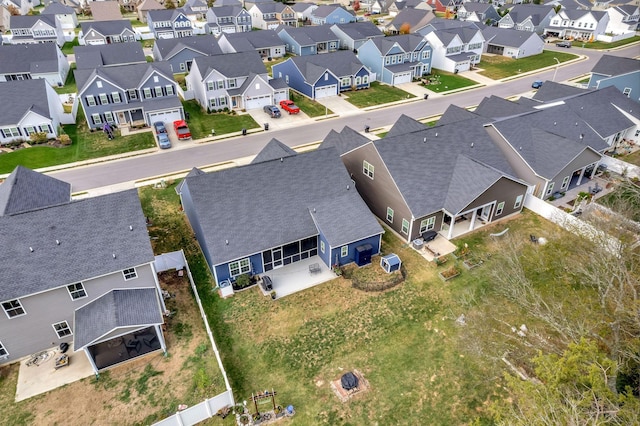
(451, 225)
(163, 345)
(581, 176)
(90, 358)
(595, 167)
(473, 219)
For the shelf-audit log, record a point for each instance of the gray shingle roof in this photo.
(231, 64)
(309, 35)
(408, 43)
(223, 11)
(106, 27)
(29, 58)
(28, 21)
(89, 57)
(497, 107)
(204, 44)
(325, 10)
(89, 232)
(360, 30)
(20, 96)
(220, 3)
(25, 190)
(193, 172)
(520, 12)
(301, 6)
(476, 7)
(340, 63)
(454, 113)
(268, 204)
(273, 150)
(405, 124)
(613, 65)
(56, 8)
(468, 181)
(507, 37)
(552, 91)
(416, 18)
(125, 76)
(254, 40)
(445, 24)
(115, 309)
(164, 15)
(344, 141)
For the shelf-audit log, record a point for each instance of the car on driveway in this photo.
(289, 106)
(163, 141)
(536, 84)
(564, 43)
(272, 110)
(159, 127)
(182, 130)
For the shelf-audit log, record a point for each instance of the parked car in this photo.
(289, 106)
(272, 110)
(564, 43)
(163, 140)
(159, 127)
(182, 130)
(536, 84)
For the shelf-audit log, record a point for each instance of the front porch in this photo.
(297, 276)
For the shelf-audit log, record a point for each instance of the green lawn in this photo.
(377, 94)
(67, 48)
(442, 81)
(497, 67)
(633, 158)
(70, 83)
(309, 106)
(603, 45)
(201, 123)
(271, 63)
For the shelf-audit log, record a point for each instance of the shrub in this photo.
(65, 140)
(243, 281)
(39, 137)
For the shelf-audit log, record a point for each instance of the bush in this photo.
(243, 281)
(65, 140)
(39, 137)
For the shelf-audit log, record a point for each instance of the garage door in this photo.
(280, 96)
(325, 91)
(257, 102)
(402, 78)
(166, 117)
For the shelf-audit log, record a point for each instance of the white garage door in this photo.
(257, 102)
(402, 78)
(167, 117)
(280, 96)
(325, 91)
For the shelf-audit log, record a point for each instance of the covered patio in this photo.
(298, 276)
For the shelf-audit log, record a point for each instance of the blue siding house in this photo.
(319, 76)
(308, 40)
(331, 14)
(253, 220)
(623, 73)
(397, 59)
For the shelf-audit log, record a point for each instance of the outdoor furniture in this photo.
(267, 284)
(150, 340)
(132, 345)
(314, 267)
(62, 361)
(533, 239)
(429, 235)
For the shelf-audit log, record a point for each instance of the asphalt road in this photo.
(123, 171)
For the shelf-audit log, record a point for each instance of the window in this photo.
(3, 352)
(346, 81)
(326, 76)
(405, 226)
(239, 267)
(103, 99)
(389, 214)
(99, 84)
(91, 100)
(518, 202)
(367, 169)
(108, 117)
(565, 182)
(427, 224)
(170, 91)
(29, 130)
(130, 274)
(220, 85)
(158, 91)
(45, 128)
(627, 91)
(13, 308)
(426, 54)
(550, 188)
(183, 67)
(11, 132)
(210, 85)
(76, 291)
(133, 94)
(155, 79)
(365, 79)
(500, 208)
(62, 329)
(96, 118)
(116, 97)
(344, 251)
(322, 246)
(147, 92)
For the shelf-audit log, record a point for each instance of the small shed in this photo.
(390, 263)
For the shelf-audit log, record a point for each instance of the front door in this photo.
(486, 212)
(276, 254)
(121, 118)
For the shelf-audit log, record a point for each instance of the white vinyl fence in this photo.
(621, 167)
(210, 406)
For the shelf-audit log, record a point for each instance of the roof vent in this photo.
(576, 123)
(226, 242)
(57, 242)
(471, 144)
(281, 159)
(520, 148)
(581, 135)
(114, 255)
(31, 249)
(425, 139)
(314, 209)
(130, 228)
(347, 187)
(436, 134)
(554, 123)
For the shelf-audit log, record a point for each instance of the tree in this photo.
(405, 28)
(13, 11)
(356, 5)
(169, 4)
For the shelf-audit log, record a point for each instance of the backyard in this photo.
(377, 94)
(201, 123)
(498, 67)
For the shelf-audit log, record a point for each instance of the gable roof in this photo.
(537, 13)
(360, 30)
(416, 18)
(508, 37)
(407, 42)
(55, 8)
(496, 107)
(33, 58)
(25, 190)
(322, 11)
(273, 150)
(193, 172)
(454, 113)
(340, 63)
(405, 124)
(231, 64)
(553, 91)
(147, 5)
(302, 6)
(469, 179)
(105, 10)
(344, 141)
(106, 27)
(253, 40)
(124, 76)
(165, 14)
(72, 242)
(476, 7)
(204, 44)
(94, 56)
(21, 96)
(28, 21)
(219, 3)
(308, 35)
(282, 211)
(222, 11)
(610, 65)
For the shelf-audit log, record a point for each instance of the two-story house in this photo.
(623, 19)
(457, 45)
(265, 42)
(268, 16)
(623, 73)
(108, 55)
(308, 40)
(197, 8)
(397, 6)
(578, 24)
(36, 29)
(304, 11)
(129, 94)
(65, 14)
(233, 81)
(82, 273)
(180, 52)
(169, 23)
(409, 21)
(228, 19)
(331, 14)
(27, 61)
(145, 6)
(397, 59)
(355, 34)
(527, 17)
(106, 32)
(484, 13)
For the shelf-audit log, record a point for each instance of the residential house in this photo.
(27, 61)
(82, 273)
(106, 32)
(108, 55)
(308, 40)
(265, 42)
(398, 6)
(512, 43)
(21, 6)
(180, 52)
(320, 76)
(304, 10)
(5, 16)
(331, 14)
(527, 17)
(623, 19)
(234, 81)
(28, 107)
(129, 6)
(129, 95)
(579, 24)
(623, 73)
(169, 23)
(438, 5)
(228, 19)
(321, 219)
(146, 6)
(355, 34)
(378, 7)
(220, 3)
(268, 16)
(457, 45)
(36, 29)
(198, 8)
(409, 21)
(451, 178)
(108, 10)
(248, 4)
(397, 59)
(63, 13)
(484, 13)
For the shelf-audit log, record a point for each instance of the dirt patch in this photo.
(345, 395)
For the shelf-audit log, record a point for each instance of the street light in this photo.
(556, 70)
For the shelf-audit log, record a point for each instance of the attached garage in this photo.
(326, 91)
(280, 96)
(257, 102)
(401, 78)
(165, 116)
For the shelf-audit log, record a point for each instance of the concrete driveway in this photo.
(339, 105)
(285, 121)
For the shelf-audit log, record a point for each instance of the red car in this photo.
(289, 106)
(182, 130)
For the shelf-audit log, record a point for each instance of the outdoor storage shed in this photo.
(390, 263)
(363, 254)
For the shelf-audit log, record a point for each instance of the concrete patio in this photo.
(296, 277)
(572, 194)
(439, 246)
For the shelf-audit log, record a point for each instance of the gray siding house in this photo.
(623, 73)
(39, 60)
(82, 273)
(512, 43)
(180, 52)
(106, 32)
(265, 42)
(36, 29)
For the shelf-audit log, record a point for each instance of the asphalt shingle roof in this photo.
(309, 35)
(360, 30)
(552, 91)
(497, 107)
(29, 58)
(124, 76)
(405, 124)
(325, 10)
(28, 21)
(408, 42)
(507, 36)
(231, 64)
(204, 44)
(613, 65)
(273, 150)
(344, 141)
(21, 96)
(56, 8)
(89, 57)
(254, 40)
(106, 27)
(454, 113)
(25, 190)
(340, 63)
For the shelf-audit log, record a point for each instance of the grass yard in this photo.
(201, 123)
(442, 81)
(497, 67)
(309, 106)
(67, 48)
(633, 158)
(274, 61)
(70, 83)
(604, 45)
(377, 94)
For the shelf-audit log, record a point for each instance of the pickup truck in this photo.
(289, 106)
(182, 130)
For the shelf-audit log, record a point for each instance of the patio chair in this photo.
(133, 344)
(533, 239)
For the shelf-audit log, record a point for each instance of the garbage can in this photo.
(426, 96)
(244, 132)
(187, 116)
(213, 132)
(266, 126)
(366, 129)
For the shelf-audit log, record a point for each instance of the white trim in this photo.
(83, 289)
(135, 273)
(62, 329)
(24, 311)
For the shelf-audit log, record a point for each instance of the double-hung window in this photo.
(427, 224)
(158, 91)
(13, 308)
(389, 215)
(500, 208)
(91, 100)
(116, 97)
(239, 267)
(518, 202)
(367, 169)
(344, 251)
(130, 274)
(62, 329)
(76, 291)
(147, 92)
(104, 99)
(405, 226)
